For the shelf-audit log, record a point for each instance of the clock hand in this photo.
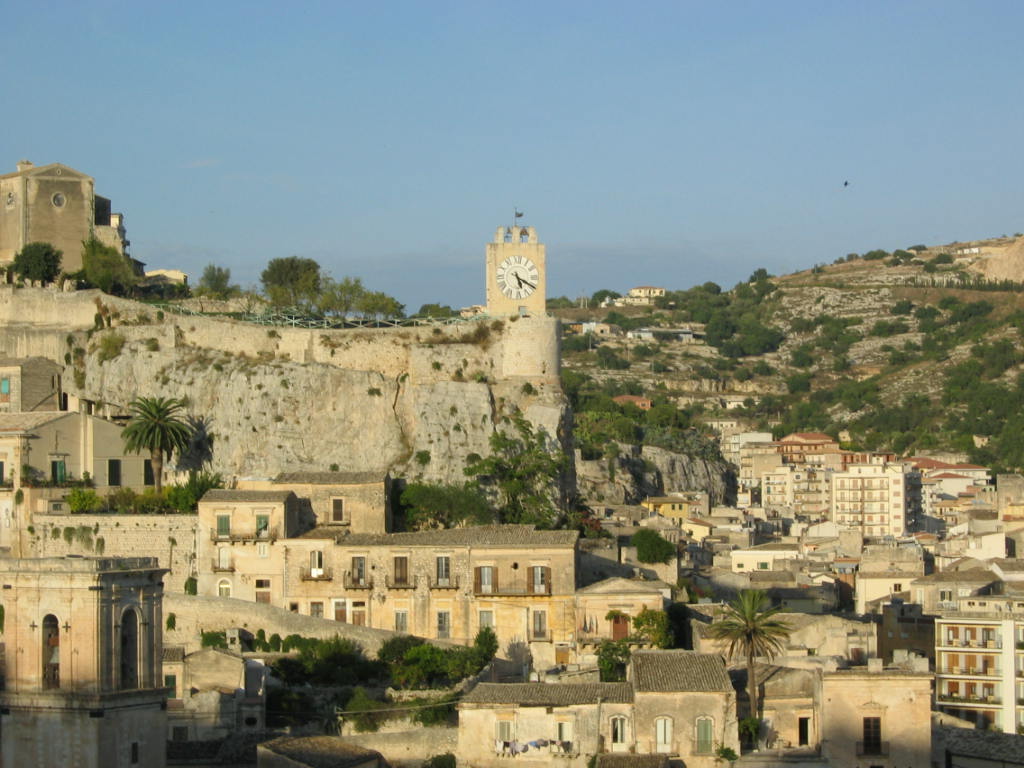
(518, 279)
(527, 282)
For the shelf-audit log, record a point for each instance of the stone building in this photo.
(675, 703)
(58, 205)
(82, 678)
(29, 384)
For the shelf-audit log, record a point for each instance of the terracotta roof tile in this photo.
(549, 694)
(666, 671)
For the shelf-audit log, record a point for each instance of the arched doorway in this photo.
(129, 649)
(51, 652)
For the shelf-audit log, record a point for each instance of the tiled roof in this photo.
(549, 694)
(1003, 748)
(18, 362)
(618, 585)
(223, 494)
(610, 760)
(777, 546)
(320, 751)
(666, 671)
(22, 422)
(972, 574)
(330, 478)
(474, 535)
(174, 653)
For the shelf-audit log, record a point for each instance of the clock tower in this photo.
(516, 279)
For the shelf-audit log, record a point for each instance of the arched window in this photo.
(663, 734)
(51, 651)
(223, 588)
(129, 649)
(620, 733)
(705, 727)
(524, 235)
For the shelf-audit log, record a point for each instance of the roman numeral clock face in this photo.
(517, 277)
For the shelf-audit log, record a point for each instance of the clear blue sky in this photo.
(663, 143)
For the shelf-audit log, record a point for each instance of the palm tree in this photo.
(752, 630)
(156, 427)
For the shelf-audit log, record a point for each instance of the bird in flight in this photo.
(846, 183)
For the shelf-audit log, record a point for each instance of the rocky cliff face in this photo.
(412, 401)
(641, 471)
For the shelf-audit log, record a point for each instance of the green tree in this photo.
(752, 631)
(216, 283)
(651, 547)
(603, 294)
(155, 426)
(612, 658)
(436, 310)
(377, 304)
(38, 261)
(292, 281)
(340, 297)
(106, 268)
(653, 627)
(523, 472)
(429, 505)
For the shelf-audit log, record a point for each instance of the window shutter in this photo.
(547, 580)
(494, 579)
(476, 580)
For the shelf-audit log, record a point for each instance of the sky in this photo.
(649, 143)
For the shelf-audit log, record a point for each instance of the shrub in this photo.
(393, 650)
(446, 760)
(651, 547)
(214, 639)
(423, 458)
(191, 586)
(612, 658)
(172, 621)
(110, 347)
(84, 500)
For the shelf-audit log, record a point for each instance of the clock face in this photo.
(517, 277)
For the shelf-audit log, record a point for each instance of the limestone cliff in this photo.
(414, 401)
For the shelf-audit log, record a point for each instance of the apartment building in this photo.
(879, 499)
(979, 661)
(801, 488)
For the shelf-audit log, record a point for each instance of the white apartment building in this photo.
(878, 499)
(803, 489)
(979, 661)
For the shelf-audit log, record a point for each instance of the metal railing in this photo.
(872, 748)
(449, 583)
(219, 567)
(316, 574)
(352, 581)
(392, 583)
(265, 534)
(516, 589)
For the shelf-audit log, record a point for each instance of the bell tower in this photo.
(516, 273)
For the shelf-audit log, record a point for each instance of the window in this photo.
(5, 390)
(171, 681)
(223, 559)
(113, 472)
(505, 730)
(401, 621)
(762, 566)
(444, 625)
(444, 571)
(316, 563)
(563, 730)
(223, 588)
(135, 744)
(338, 511)
(359, 570)
(618, 731)
(486, 619)
(262, 590)
(262, 525)
(147, 472)
(1, 472)
(316, 610)
(401, 570)
(897, 587)
(359, 613)
(663, 734)
(872, 735)
(262, 549)
(51, 652)
(223, 526)
(129, 649)
(705, 735)
(539, 579)
(540, 625)
(485, 580)
(58, 471)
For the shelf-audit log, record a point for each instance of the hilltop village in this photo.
(776, 525)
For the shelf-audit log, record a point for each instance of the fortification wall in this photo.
(171, 539)
(408, 749)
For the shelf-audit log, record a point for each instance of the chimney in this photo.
(24, 165)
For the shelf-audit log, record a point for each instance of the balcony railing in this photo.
(973, 671)
(354, 581)
(976, 700)
(451, 582)
(393, 583)
(872, 748)
(512, 589)
(317, 574)
(219, 567)
(540, 637)
(265, 534)
(564, 749)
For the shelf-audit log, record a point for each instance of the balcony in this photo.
(449, 583)
(970, 701)
(316, 574)
(219, 567)
(974, 671)
(512, 590)
(353, 581)
(392, 583)
(872, 749)
(266, 534)
(563, 749)
(540, 637)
